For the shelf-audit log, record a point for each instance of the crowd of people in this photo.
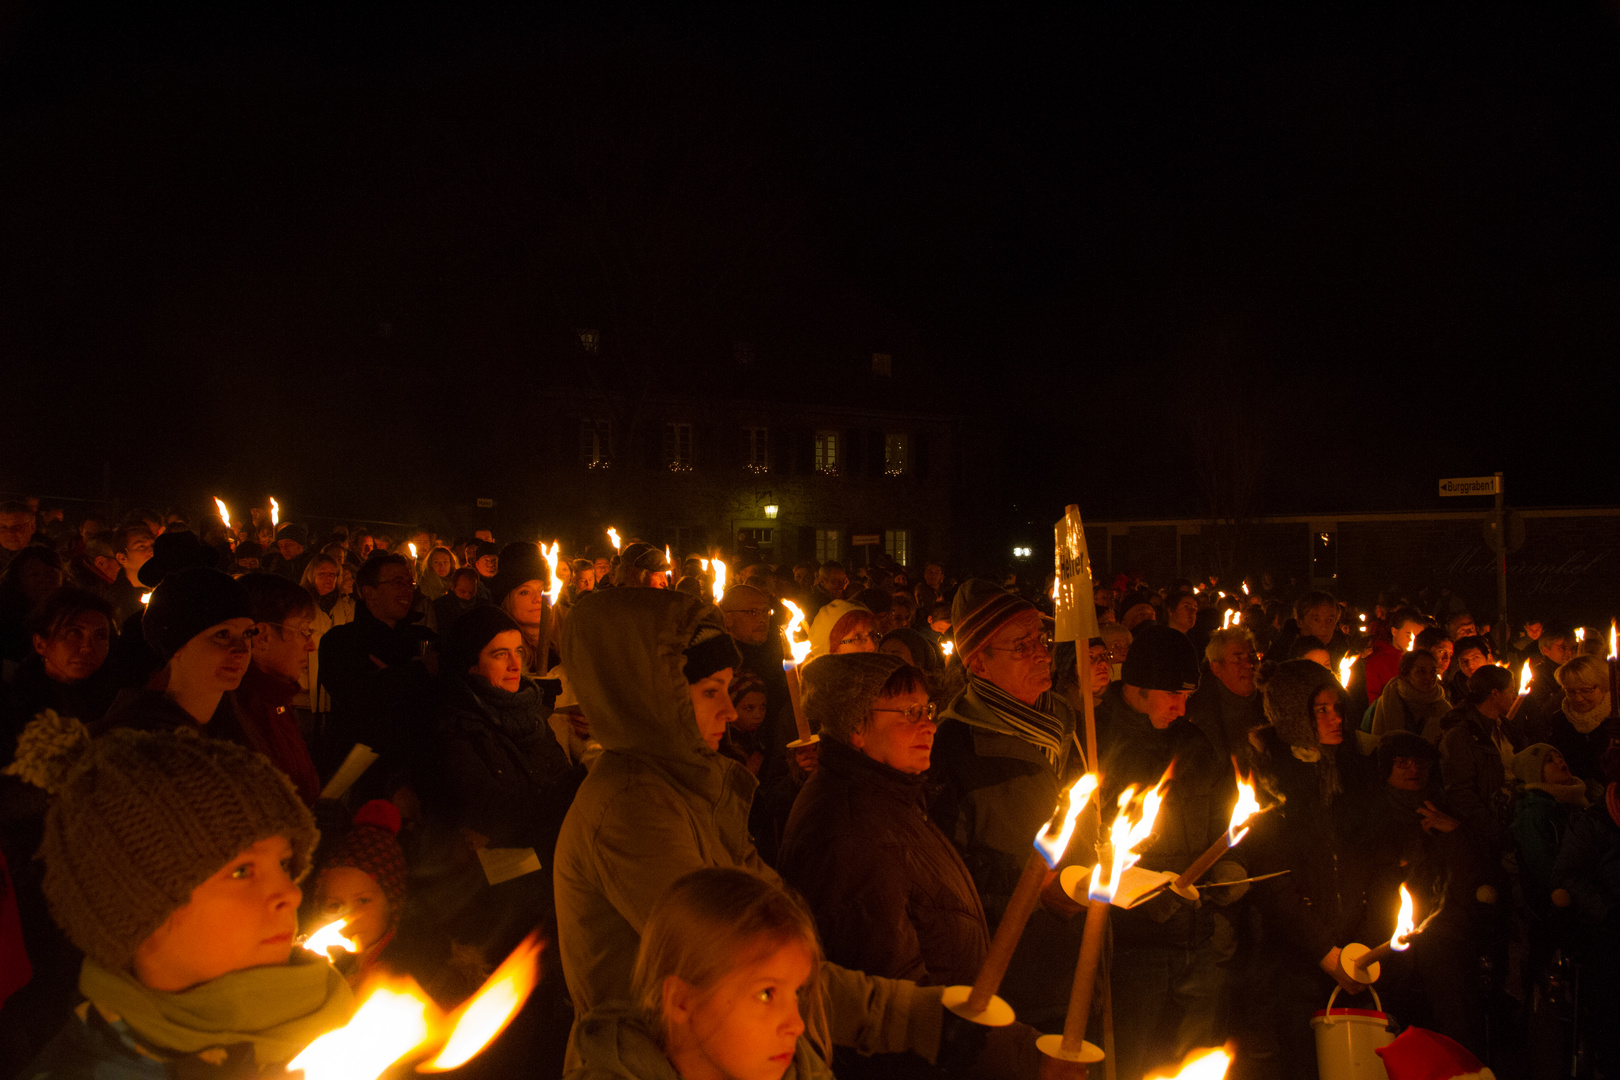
(607, 750)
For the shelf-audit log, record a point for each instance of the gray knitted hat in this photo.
(839, 690)
(1289, 692)
(140, 819)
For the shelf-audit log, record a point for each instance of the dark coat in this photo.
(1342, 870)
(1226, 719)
(1589, 866)
(153, 710)
(33, 692)
(1581, 752)
(890, 894)
(1474, 778)
(381, 692)
(264, 704)
(1197, 806)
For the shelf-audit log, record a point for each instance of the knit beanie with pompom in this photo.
(140, 819)
(371, 846)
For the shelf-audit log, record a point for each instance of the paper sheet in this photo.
(359, 760)
(506, 863)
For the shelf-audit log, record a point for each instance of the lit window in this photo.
(759, 538)
(595, 442)
(896, 454)
(827, 453)
(590, 341)
(897, 545)
(756, 449)
(826, 545)
(678, 447)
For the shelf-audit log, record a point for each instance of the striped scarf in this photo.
(1032, 723)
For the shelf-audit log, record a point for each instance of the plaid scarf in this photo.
(1032, 723)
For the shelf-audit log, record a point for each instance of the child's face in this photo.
(747, 1026)
(355, 895)
(244, 916)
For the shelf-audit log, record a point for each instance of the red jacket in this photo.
(1382, 665)
(264, 703)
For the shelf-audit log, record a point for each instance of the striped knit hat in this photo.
(980, 609)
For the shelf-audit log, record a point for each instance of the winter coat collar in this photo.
(850, 765)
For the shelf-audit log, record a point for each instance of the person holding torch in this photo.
(1325, 831)
(1167, 973)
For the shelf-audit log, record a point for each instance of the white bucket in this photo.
(1347, 1041)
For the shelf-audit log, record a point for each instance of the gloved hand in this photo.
(975, 1052)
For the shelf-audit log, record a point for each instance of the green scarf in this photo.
(278, 1008)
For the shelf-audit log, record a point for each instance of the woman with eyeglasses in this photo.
(890, 894)
(199, 625)
(842, 626)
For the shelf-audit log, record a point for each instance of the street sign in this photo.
(866, 540)
(1469, 485)
(485, 504)
(1507, 536)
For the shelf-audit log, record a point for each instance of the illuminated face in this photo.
(1555, 770)
(441, 563)
(1409, 774)
(1560, 650)
(1161, 707)
(390, 599)
(136, 555)
(214, 660)
(487, 565)
(351, 894)
(855, 632)
(750, 711)
(1470, 661)
(1101, 670)
(1424, 674)
(745, 1027)
(285, 649)
(1442, 656)
(899, 733)
(1319, 622)
(1235, 668)
(290, 549)
(1017, 658)
(500, 662)
(713, 706)
(78, 649)
(1184, 615)
(16, 530)
(1583, 698)
(1404, 633)
(603, 567)
(1329, 723)
(243, 916)
(527, 603)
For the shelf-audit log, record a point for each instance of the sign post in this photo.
(1490, 485)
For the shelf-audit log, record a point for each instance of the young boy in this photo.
(172, 860)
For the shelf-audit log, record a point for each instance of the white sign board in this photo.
(1469, 485)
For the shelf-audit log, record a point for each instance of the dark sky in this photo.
(1156, 257)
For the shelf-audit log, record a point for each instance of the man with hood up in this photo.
(661, 802)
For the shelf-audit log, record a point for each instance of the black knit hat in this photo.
(710, 650)
(1160, 659)
(189, 602)
(295, 532)
(468, 635)
(176, 551)
(519, 562)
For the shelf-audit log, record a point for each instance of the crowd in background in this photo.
(562, 746)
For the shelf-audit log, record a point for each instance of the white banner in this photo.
(1076, 603)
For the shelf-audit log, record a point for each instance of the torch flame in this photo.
(1580, 634)
(1411, 642)
(1345, 666)
(1404, 924)
(719, 579)
(1056, 584)
(1247, 806)
(552, 554)
(1524, 679)
(1226, 618)
(486, 1013)
(275, 512)
(412, 545)
(1054, 839)
(224, 514)
(146, 598)
(613, 535)
(947, 647)
(798, 649)
(388, 1025)
(1245, 588)
(330, 936)
(1125, 835)
(1614, 640)
(397, 1020)
(1202, 1065)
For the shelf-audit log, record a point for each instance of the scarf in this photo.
(1032, 723)
(279, 1008)
(517, 714)
(1588, 721)
(1570, 794)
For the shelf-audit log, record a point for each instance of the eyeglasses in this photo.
(858, 638)
(917, 713)
(1037, 645)
(752, 612)
(307, 632)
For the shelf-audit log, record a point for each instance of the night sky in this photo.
(1161, 260)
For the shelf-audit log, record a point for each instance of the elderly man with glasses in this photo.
(1005, 750)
